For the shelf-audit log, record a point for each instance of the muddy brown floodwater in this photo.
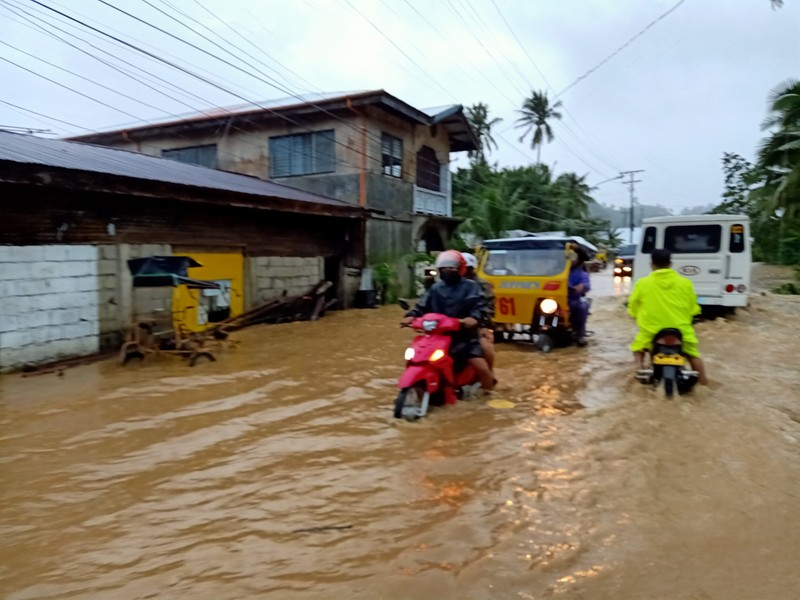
(278, 472)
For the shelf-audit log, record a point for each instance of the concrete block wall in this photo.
(48, 304)
(119, 302)
(271, 275)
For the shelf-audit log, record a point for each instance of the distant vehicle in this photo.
(623, 263)
(713, 251)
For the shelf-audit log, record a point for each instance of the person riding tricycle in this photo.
(531, 281)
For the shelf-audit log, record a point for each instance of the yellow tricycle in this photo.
(530, 278)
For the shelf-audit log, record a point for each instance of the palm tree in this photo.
(573, 195)
(478, 117)
(536, 112)
(779, 154)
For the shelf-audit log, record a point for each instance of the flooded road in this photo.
(278, 472)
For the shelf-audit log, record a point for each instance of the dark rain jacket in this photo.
(462, 300)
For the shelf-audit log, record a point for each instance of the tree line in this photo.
(768, 190)
(494, 200)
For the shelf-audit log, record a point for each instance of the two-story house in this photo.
(366, 148)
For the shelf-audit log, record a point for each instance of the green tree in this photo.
(573, 195)
(741, 178)
(779, 155)
(478, 117)
(537, 113)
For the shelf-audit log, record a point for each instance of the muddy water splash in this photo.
(279, 472)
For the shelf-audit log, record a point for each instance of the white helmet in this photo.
(470, 260)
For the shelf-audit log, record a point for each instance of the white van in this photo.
(711, 250)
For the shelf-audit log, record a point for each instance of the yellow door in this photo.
(195, 310)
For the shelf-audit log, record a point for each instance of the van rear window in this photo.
(737, 238)
(693, 239)
(649, 240)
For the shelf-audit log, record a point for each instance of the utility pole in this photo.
(630, 183)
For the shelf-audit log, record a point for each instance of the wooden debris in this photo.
(284, 309)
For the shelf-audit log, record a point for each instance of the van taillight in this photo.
(741, 288)
(729, 288)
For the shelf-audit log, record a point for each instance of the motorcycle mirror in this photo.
(403, 304)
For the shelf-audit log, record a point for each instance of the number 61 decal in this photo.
(506, 306)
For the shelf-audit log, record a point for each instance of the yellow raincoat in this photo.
(660, 300)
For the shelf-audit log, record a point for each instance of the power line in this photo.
(3, 58)
(93, 82)
(298, 97)
(242, 37)
(621, 48)
(28, 110)
(403, 52)
(31, 24)
(200, 77)
(340, 161)
(544, 78)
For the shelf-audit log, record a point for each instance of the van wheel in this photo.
(544, 342)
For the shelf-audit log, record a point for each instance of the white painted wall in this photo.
(48, 303)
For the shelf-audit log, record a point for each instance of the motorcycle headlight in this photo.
(429, 325)
(549, 306)
(409, 354)
(437, 355)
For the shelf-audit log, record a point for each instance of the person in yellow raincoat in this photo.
(665, 299)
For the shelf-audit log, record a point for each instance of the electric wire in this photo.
(622, 47)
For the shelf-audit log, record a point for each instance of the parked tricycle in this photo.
(163, 331)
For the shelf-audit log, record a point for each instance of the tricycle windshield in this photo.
(531, 262)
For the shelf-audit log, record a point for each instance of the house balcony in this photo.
(429, 202)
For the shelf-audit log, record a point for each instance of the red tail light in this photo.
(551, 285)
(729, 288)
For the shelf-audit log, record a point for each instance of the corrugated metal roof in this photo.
(451, 116)
(236, 109)
(26, 149)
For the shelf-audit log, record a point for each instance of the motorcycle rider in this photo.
(661, 300)
(460, 298)
(487, 327)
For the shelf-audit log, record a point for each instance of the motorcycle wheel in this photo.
(399, 403)
(544, 342)
(670, 374)
(423, 399)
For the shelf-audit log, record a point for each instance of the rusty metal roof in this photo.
(451, 117)
(77, 156)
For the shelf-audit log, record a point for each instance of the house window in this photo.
(205, 156)
(428, 169)
(302, 154)
(392, 155)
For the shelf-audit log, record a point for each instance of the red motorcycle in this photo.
(431, 375)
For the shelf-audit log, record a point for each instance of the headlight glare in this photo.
(437, 355)
(549, 306)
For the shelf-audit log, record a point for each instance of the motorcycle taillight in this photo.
(668, 340)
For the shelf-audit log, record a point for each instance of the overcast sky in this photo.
(692, 86)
